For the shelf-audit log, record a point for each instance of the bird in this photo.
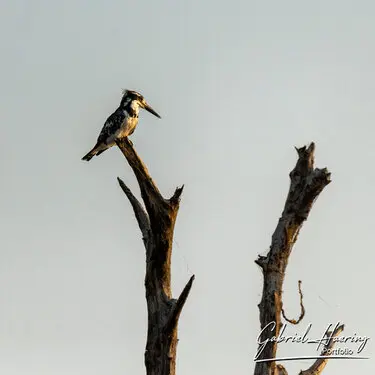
(121, 123)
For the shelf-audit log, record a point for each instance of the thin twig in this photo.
(302, 314)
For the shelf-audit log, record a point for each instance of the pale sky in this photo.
(238, 84)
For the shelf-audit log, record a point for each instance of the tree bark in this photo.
(156, 221)
(305, 186)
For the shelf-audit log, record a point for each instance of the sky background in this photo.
(238, 84)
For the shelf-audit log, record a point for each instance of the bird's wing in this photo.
(112, 124)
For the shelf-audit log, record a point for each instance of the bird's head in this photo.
(134, 98)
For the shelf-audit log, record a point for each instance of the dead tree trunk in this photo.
(306, 185)
(156, 221)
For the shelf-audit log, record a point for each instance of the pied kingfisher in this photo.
(121, 123)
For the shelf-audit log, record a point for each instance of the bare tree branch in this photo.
(140, 213)
(154, 202)
(157, 225)
(179, 304)
(293, 321)
(176, 195)
(305, 186)
(318, 366)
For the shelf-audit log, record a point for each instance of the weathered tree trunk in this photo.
(306, 185)
(156, 222)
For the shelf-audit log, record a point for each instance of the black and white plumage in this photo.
(121, 123)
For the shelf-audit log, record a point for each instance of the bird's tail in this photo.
(90, 155)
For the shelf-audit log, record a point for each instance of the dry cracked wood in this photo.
(156, 221)
(305, 186)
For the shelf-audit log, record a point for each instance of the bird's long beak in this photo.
(149, 109)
